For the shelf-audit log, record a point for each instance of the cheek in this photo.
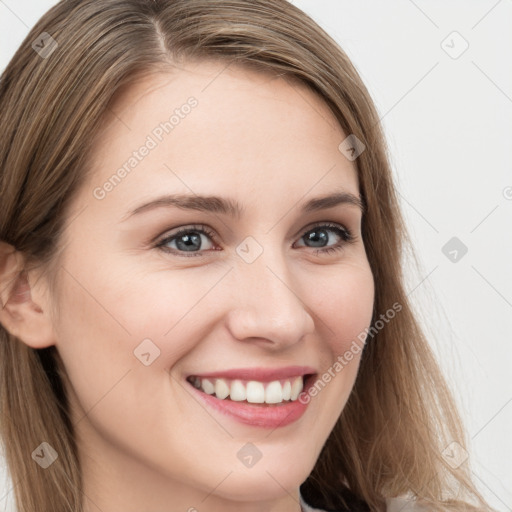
(107, 324)
(345, 306)
(120, 322)
(95, 343)
(175, 309)
(344, 302)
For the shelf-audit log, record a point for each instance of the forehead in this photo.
(209, 127)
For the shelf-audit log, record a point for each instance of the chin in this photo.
(271, 482)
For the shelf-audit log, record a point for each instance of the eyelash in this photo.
(344, 233)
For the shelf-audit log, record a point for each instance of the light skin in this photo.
(145, 443)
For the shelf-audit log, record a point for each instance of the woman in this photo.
(202, 300)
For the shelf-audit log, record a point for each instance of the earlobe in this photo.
(20, 315)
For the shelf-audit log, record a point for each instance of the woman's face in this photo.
(143, 310)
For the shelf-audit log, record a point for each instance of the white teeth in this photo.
(287, 390)
(221, 388)
(253, 391)
(296, 388)
(237, 391)
(207, 386)
(274, 393)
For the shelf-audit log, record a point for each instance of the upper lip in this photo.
(260, 374)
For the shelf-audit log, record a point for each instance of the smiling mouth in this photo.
(276, 392)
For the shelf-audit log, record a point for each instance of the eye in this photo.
(319, 235)
(190, 239)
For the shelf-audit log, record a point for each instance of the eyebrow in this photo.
(227, 206)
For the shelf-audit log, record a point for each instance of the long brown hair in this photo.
(400, 417)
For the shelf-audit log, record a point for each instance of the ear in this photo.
(23, 312)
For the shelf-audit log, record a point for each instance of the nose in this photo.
(265, 306)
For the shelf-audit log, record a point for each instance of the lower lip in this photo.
(257, 415)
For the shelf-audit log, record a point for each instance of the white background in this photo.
(449, 126)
